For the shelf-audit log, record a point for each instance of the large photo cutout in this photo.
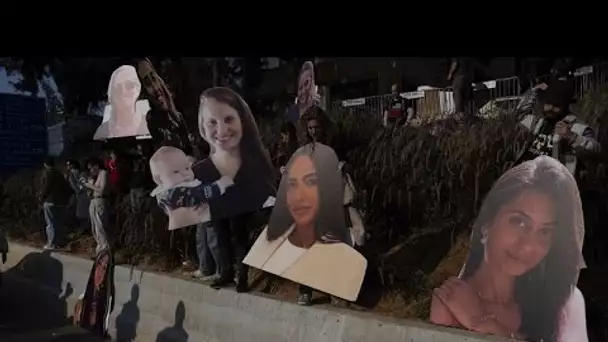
(520, 276)
(124, 116)
(181, 196)
(227, 124)
(307, 240)
(307, 89)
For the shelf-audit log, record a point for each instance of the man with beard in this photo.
(398, 110)
(166, 125)
(557, 132)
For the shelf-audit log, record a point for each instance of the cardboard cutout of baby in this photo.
(520, 276)
(181, 196)
(227, 124)
(306, 239)
(124, 116)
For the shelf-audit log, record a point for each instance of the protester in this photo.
(461, 74)
(79, 202)
(139, 180)
(166, 125)
(399, 110)
(54, 194)
(557, 132)
(99, 203)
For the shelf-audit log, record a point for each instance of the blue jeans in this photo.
(207, 249)
(53, 218)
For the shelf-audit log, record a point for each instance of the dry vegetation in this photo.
(420, 188)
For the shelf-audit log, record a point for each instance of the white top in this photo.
(100, 183)
(285, 256)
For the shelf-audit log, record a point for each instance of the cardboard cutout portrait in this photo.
(227, 124)
(307, 89)
(124, 116)
(95, 305)
(306, 239)
(181, 196)
(520, 276)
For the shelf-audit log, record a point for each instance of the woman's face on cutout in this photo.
(126, 89)
(222, 125)
(303, 191)
(305, 86)
(522, 233)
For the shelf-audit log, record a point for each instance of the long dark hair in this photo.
(542, 292)
(330, 226)
(254, 156)
(317, 113)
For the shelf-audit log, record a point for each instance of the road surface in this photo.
(31, 315)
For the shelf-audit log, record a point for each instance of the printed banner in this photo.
(520, 276)
(307, 240)
(124, 116)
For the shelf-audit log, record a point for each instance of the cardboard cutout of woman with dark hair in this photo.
(124, 116)
(181, 196)
(307, 240)
(94, 307)
(520, 276)
(227, 124)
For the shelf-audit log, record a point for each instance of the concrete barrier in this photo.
(218, 315)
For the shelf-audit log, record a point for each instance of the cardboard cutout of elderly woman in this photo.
(520, 277)
(124, 116)
(237, 153)
(306, 239)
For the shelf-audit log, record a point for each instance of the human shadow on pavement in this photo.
(32, 289)
(175, 333)
(128, 318)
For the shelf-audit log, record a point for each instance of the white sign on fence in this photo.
(584, 70)
(354, 102)
(413, 95)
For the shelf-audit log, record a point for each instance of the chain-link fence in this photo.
(488, 97)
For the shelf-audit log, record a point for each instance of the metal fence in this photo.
(488, 96)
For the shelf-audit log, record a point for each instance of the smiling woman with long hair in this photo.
(520, 276)
(227, 124)
(307, 240)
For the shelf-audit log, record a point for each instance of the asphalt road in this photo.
(30, 315)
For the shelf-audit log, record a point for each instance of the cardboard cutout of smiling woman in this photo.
(181, 196)
(227, 124)
(306, 239)
(124, 116)
(520, 277)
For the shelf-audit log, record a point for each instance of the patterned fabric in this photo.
(528, 102)
(181, 197)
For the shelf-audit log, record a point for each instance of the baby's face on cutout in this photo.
(174, 168)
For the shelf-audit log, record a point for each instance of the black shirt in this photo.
(542, 145)
(250, 191)
(168, 129)
(397, 107)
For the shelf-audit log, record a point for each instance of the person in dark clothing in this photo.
(288, 143)
(139, 180)
(461, 75)
(399, 110)
(166, 125)
(54, 194)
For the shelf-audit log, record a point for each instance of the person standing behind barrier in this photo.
(99, 203)
(461, 75)
(55, 194)
(79, 202)
(398, 110)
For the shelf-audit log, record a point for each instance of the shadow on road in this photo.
(33, 291)
(127, 319)
(175, 333)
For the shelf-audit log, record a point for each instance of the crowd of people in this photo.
(222, 244)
